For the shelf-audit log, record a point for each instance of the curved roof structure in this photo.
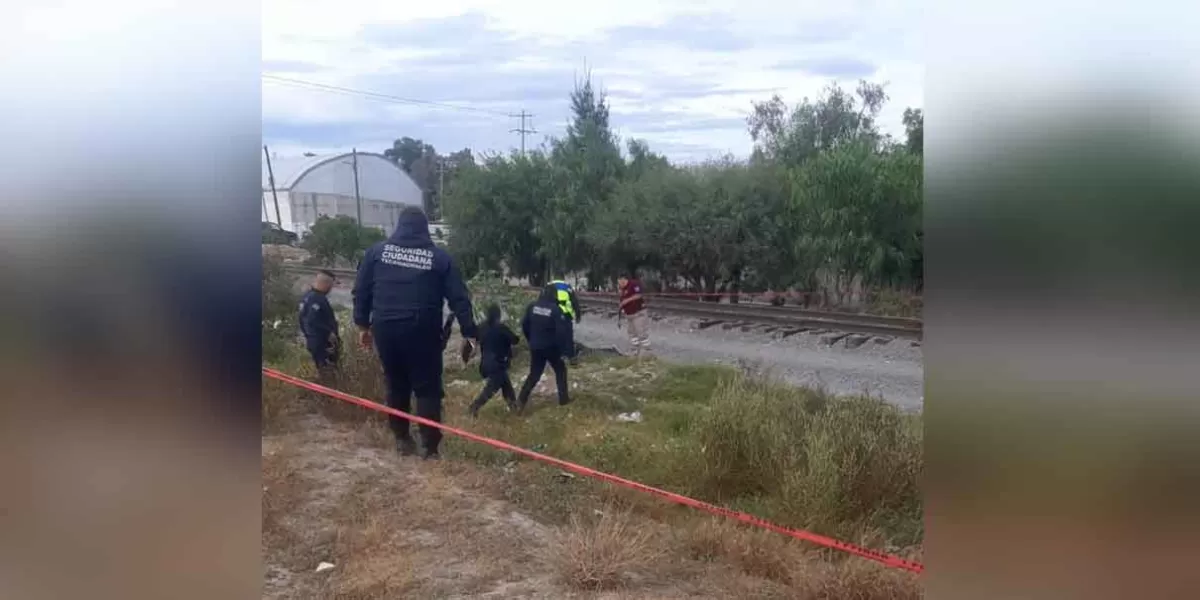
(290, 170)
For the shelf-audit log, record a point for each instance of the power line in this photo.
(521, 130)
(378, 96)
(322, 87)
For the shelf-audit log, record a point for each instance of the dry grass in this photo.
(483, 524)
(895, 303)
(754, 552)
(805, 572)
(602, 552)
(371, 567)
(397, 529)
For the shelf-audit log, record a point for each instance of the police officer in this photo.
(398, 304)
(319, 326)
(548, 333)
(569, 305)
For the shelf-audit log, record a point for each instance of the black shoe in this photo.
(432, 455)
(473, 410)
(565, 402)
(406, 447)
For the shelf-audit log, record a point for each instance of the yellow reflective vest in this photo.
(564, 298)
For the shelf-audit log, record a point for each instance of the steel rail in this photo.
(785, 317)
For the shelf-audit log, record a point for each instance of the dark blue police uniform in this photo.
(319, 325)
(398, 293)
(549, 337)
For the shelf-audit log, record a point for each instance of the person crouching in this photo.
(496, 341)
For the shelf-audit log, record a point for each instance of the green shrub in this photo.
(840, 465)
(280, 304)
(334, 238)
(272, 234)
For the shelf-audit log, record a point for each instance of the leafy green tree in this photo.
(837, 117)
(642, 160)
(588, 168)
(825, 199)
(494, 209)
(859, 214)
(429, 170)
(332, 238)
(407, 151)
(914, 130)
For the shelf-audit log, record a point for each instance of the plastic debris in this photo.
(633, 417)
(324, 567)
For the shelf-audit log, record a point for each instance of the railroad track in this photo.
(789, 320)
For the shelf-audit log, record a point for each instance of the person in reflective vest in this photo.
(545, 327)
(568, 303)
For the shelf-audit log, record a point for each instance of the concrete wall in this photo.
(305, 207)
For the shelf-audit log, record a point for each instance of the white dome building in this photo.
(309, 186)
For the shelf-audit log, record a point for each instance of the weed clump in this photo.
(600, 552)
(840, 465)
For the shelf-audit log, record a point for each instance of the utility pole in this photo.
(271, 179)
(357, 198)
(441, 167)
(521, 130)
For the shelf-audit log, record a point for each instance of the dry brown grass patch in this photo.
(279, 402)
(757, 553)
(601, 552)
(806, 572)
(283, 489)
(856, 579)
(373, 562)
(374, 432)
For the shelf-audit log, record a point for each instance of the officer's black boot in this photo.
(431, 442)
(406, 446)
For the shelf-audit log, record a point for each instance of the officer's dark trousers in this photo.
(571, 335)
(325, 356)
(497, 381)
(537, 365)
(411, 354)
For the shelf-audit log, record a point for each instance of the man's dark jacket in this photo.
(406, 278)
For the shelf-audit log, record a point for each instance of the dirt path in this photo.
(391, 527)
(404, 528)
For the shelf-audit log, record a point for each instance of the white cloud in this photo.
(666, 64)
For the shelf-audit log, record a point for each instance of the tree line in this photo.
(825, 202)
(430, 170)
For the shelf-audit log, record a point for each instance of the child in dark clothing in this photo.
(497, 341)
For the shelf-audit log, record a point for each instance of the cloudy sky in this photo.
(681, 75)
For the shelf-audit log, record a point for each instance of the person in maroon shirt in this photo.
(633, 308)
